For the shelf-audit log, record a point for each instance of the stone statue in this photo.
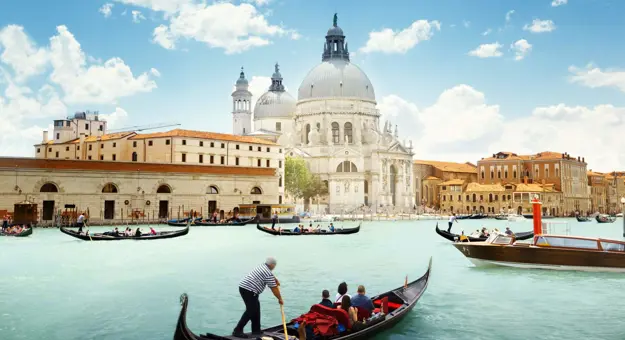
(277, 68)
(335, 21)
(346, 186)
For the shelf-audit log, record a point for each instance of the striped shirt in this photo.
(256, 281)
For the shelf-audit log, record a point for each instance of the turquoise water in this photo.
(57, 287)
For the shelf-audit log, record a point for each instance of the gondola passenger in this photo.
(341, 291)
(152, 231)
(138, 233)
(509, 232)
(296, 229)
(325, 299)
(331, 227)
(346, 305)
(361, 300)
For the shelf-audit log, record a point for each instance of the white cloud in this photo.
(487, 51)
(487, 32)
(106, 9)
(167, 6)
(462, 126)
(155, 72)
(115, 119)
(137, 16)
(540, 26)
(21, 53)
(389, 41)
(509, 15)
(235, 28)
(594, 77)
(521, 48)
(259, 2)
(556, 3)
(97, 84)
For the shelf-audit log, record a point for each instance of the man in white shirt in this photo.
(80, 222)
(452, 219)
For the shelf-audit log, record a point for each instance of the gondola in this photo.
(24, 233)
(288, 232)
(453, 237)
(477, 216)
(107, 237)
(401, 301)
(582, 218)
(501, 217)
(231, 223)
(605, 219)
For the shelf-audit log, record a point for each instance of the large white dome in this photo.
(274, 104)
(336, 78)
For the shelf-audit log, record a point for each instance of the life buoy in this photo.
(126, 202)
(147, 202)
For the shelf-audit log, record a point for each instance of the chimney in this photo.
(583, 160)
(578, 159)
(45, 137)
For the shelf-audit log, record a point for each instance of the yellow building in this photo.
(430, 176)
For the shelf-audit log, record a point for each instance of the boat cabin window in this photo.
(501, 239)
(566, 242)
(609, 246)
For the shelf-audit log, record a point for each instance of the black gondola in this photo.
(24, 233)
(605, 219)
(401, 301)
(453, 237)
(582, 218)
(477, 216)
(501, 217)
(229, 223)
(288, 232)
(108, 237)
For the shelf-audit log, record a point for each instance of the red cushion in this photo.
(391, 305)
(340, 315)
(363, 313)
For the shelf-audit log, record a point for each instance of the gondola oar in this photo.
(286, 335)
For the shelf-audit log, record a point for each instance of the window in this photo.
(184, 142)
(223, 160)
(256, 191)
(346, 166)
(201, 158)
(335, 133)
(444, 188)
(114, 157)
(278, 126)
(237, 147)
(536, 172)
(280, 182)
(279, 199)
(212, 190)
(347, 130)
(89, 147)
(89, 157)
(78, 148)
(58, 136)
(86, 126)
(514, 174)
(250, 148)
(134, 156)
(212, 144)
(163, 189)
(184, 157)
(557, 174)
(547, 172)
(101, 157)
(280, 151)
(150, 143)
(67, 148)
(134, 144)
(259, 149)
(444, 198)
(566, 242)
(307, 132)
(212, 159)
(201, 143)
(268, 163)
(609, 246)
(492, 174)
(243, 130)
(459, 198)
(49, 149)
(236, 161)
(499, 174)
(38, 150)
(280, 164)
(223, 145)
(101, 146)
(482, 175)
(109, 188)
(268, 149)
(258, 162)
(167, 142)
(114, 145)
(505, 174)
(57, 154)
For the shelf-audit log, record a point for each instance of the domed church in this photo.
(335, 126)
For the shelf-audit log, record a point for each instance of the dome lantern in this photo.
(335, 46)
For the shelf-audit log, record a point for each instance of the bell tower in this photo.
(241, 107)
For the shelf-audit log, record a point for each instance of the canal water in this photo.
(57, 287)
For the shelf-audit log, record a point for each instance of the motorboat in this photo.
(516, 218)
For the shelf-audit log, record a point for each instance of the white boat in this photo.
(515, 218)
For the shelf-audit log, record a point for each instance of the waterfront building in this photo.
(122, 191)
(334, 125)
(434, 179)
(616, 180)
(567, 174)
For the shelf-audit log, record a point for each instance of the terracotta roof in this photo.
(134, 167)
(91, 139)
(594, 173)
(204, 135)
(433, 178)
(453, 182)
(508, 156)
(476, 187)
(533, 187)
(450, 166)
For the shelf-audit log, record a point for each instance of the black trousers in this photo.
(79, 225)
(252, 311)
(450, 224)
(273, 223)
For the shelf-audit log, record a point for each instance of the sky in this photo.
(461, 79)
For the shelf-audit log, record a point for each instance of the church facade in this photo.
(335, 126)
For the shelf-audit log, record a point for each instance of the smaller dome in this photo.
(335, 31)
(274, 104)
(242, 80)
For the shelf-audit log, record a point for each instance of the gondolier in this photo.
(250, 288)
(274, 219)
(451, 221)
(80, 222)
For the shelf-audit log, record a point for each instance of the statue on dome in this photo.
(277, 68)
(335, 21)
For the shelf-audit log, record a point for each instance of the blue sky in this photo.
(526, 105)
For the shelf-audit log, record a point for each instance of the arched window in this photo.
(347, 130)
(307, 133)
(49, 187)
(134, 156)
(547, 172)
(490, 197)
(492, 174)
(536, 172)
(346, 166)
(163, 189)
(505, 174)
(335, 133)
(212, 190)
(109, 188)
(366, 187)
(473, 197)
(499, 174)
(482, 174)
(256, 191)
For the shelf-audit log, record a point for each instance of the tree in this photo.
(300, 183)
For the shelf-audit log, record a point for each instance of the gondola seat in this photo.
(339, 314)
(385, 305)
(363, 313)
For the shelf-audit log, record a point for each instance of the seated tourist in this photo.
(341, 291)
(508, 231)
(116, 232)
(361, 300)
(296, 229)
(138, 232)
(462, 237)
(152, 231)
(346, 305)
(325, 299)
(331, 227)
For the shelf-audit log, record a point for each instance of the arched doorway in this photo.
(48, 205)
(163, 204)
(393, 183)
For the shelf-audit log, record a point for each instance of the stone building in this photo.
(602, 192)
(616, 190)
(118, 191)
(334, 126)
(567, 174)
(431, 176)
